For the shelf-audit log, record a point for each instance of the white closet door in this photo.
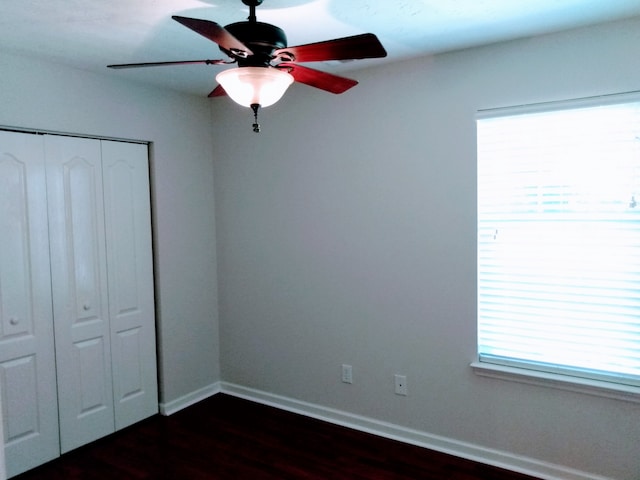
(130, 274)
(3, 471)
(27, 366)
(79, 285)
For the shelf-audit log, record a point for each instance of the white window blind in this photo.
(559, 240)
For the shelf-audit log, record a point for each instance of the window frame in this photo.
(524, 372)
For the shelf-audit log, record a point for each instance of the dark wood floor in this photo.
(229, 438)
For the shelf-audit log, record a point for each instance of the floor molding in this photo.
(169, 408)
(469, 451)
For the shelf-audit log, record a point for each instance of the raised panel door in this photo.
(79, 285)
(130, 276)
(27, 365)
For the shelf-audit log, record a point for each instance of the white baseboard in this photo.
(169, 408)
(497, 458)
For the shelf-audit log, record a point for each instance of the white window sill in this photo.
(554, 380)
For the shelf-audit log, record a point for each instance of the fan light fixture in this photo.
(250, 86)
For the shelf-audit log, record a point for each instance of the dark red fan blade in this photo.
(315, 78)
(366, 45)
(217, 92)
(215, 33)
(163, 64)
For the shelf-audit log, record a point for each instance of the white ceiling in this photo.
(89, 34)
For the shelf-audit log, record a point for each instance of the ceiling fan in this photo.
(266, 65)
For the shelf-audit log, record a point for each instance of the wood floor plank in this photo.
(225, 437)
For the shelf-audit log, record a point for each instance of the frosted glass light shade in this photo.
(255, 85)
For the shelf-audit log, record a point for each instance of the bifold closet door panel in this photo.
(79, 286)
(27, 365)
(130, 275)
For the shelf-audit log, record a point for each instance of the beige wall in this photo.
(38, 95)
(347, 233)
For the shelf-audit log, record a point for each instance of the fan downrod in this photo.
(252, 4)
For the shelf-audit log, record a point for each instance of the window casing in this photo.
(559, 238)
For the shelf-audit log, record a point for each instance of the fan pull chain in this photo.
(256, 125)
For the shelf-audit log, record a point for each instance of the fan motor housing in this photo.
(262, 38)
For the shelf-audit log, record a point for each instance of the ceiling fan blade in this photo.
(217, 92)
(356, 47)
(315, 78)
(215, 33)
(163, 64)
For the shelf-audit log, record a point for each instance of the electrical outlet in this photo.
(401, 384)
(347, 373)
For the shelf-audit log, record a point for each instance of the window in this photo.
(559, 239)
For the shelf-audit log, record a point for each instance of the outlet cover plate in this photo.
(401, 384)
(347, 373)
